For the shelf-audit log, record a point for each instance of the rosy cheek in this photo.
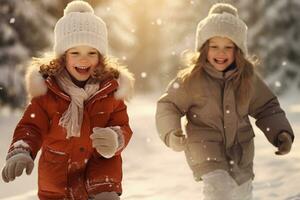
(96, 62)
(71, 62)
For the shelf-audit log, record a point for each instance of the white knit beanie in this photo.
(223, 21)
(79, 26)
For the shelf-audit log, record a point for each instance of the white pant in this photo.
(106, 196)
(219, 185)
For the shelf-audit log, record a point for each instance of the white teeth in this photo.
(82, 67)
(220, 60)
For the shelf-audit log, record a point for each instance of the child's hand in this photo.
(105, 141)
(285, 143)
(15, 165)
(177, 141)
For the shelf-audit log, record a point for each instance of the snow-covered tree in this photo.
(274, 30)
(24, 31)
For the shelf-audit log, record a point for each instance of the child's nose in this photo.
(84, 61)
(222, 51)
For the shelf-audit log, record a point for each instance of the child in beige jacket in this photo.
(217, 93)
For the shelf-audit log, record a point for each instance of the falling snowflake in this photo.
(143, 74)
(148, 140)
(268, 129)
(208, 158)
(195, 116)
(231, 162)
(227, 111)
(173, 53)
(158, 21)
(106, 179)
(32, 115)
(108, 9)
(176, 85)
(124, 58)
(283, 63)
(12, 20)
(278, 84)
(132, 30)
(192, 2)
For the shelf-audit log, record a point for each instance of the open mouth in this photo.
(82, 69)
(220, 60)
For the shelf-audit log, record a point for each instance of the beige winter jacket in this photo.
(219, 132)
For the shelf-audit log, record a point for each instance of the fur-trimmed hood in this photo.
(36, 85)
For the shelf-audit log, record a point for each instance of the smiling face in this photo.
(81, 62)
(221, 52)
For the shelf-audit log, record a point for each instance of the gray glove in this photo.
(177, 141)
(15, 165)
(285, 143)
(105, 141)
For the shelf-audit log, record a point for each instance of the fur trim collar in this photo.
(36, 86)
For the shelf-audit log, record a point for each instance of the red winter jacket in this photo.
(72, 168)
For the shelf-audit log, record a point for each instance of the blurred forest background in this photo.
(149, 36)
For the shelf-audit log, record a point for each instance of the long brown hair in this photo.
(51, 65)
(242, 77)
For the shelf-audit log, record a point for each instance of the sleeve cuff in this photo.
(17, 151)
(121, 140)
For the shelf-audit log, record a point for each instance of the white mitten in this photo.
(177, 141)
(105, 141)
(15, 165)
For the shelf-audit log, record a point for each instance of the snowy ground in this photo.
(153, 172)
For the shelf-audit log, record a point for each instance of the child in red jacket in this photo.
(76, 114)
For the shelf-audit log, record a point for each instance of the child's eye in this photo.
(74, 53)
(92, 53)
(213, 47)
(229, 47)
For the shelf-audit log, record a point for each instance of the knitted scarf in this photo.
(72, 118)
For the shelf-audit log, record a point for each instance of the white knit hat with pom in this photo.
(80, 26)
(222, 21)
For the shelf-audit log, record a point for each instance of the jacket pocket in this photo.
(52, 171)
(54, 156)
(204, 151)
(246, 141)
